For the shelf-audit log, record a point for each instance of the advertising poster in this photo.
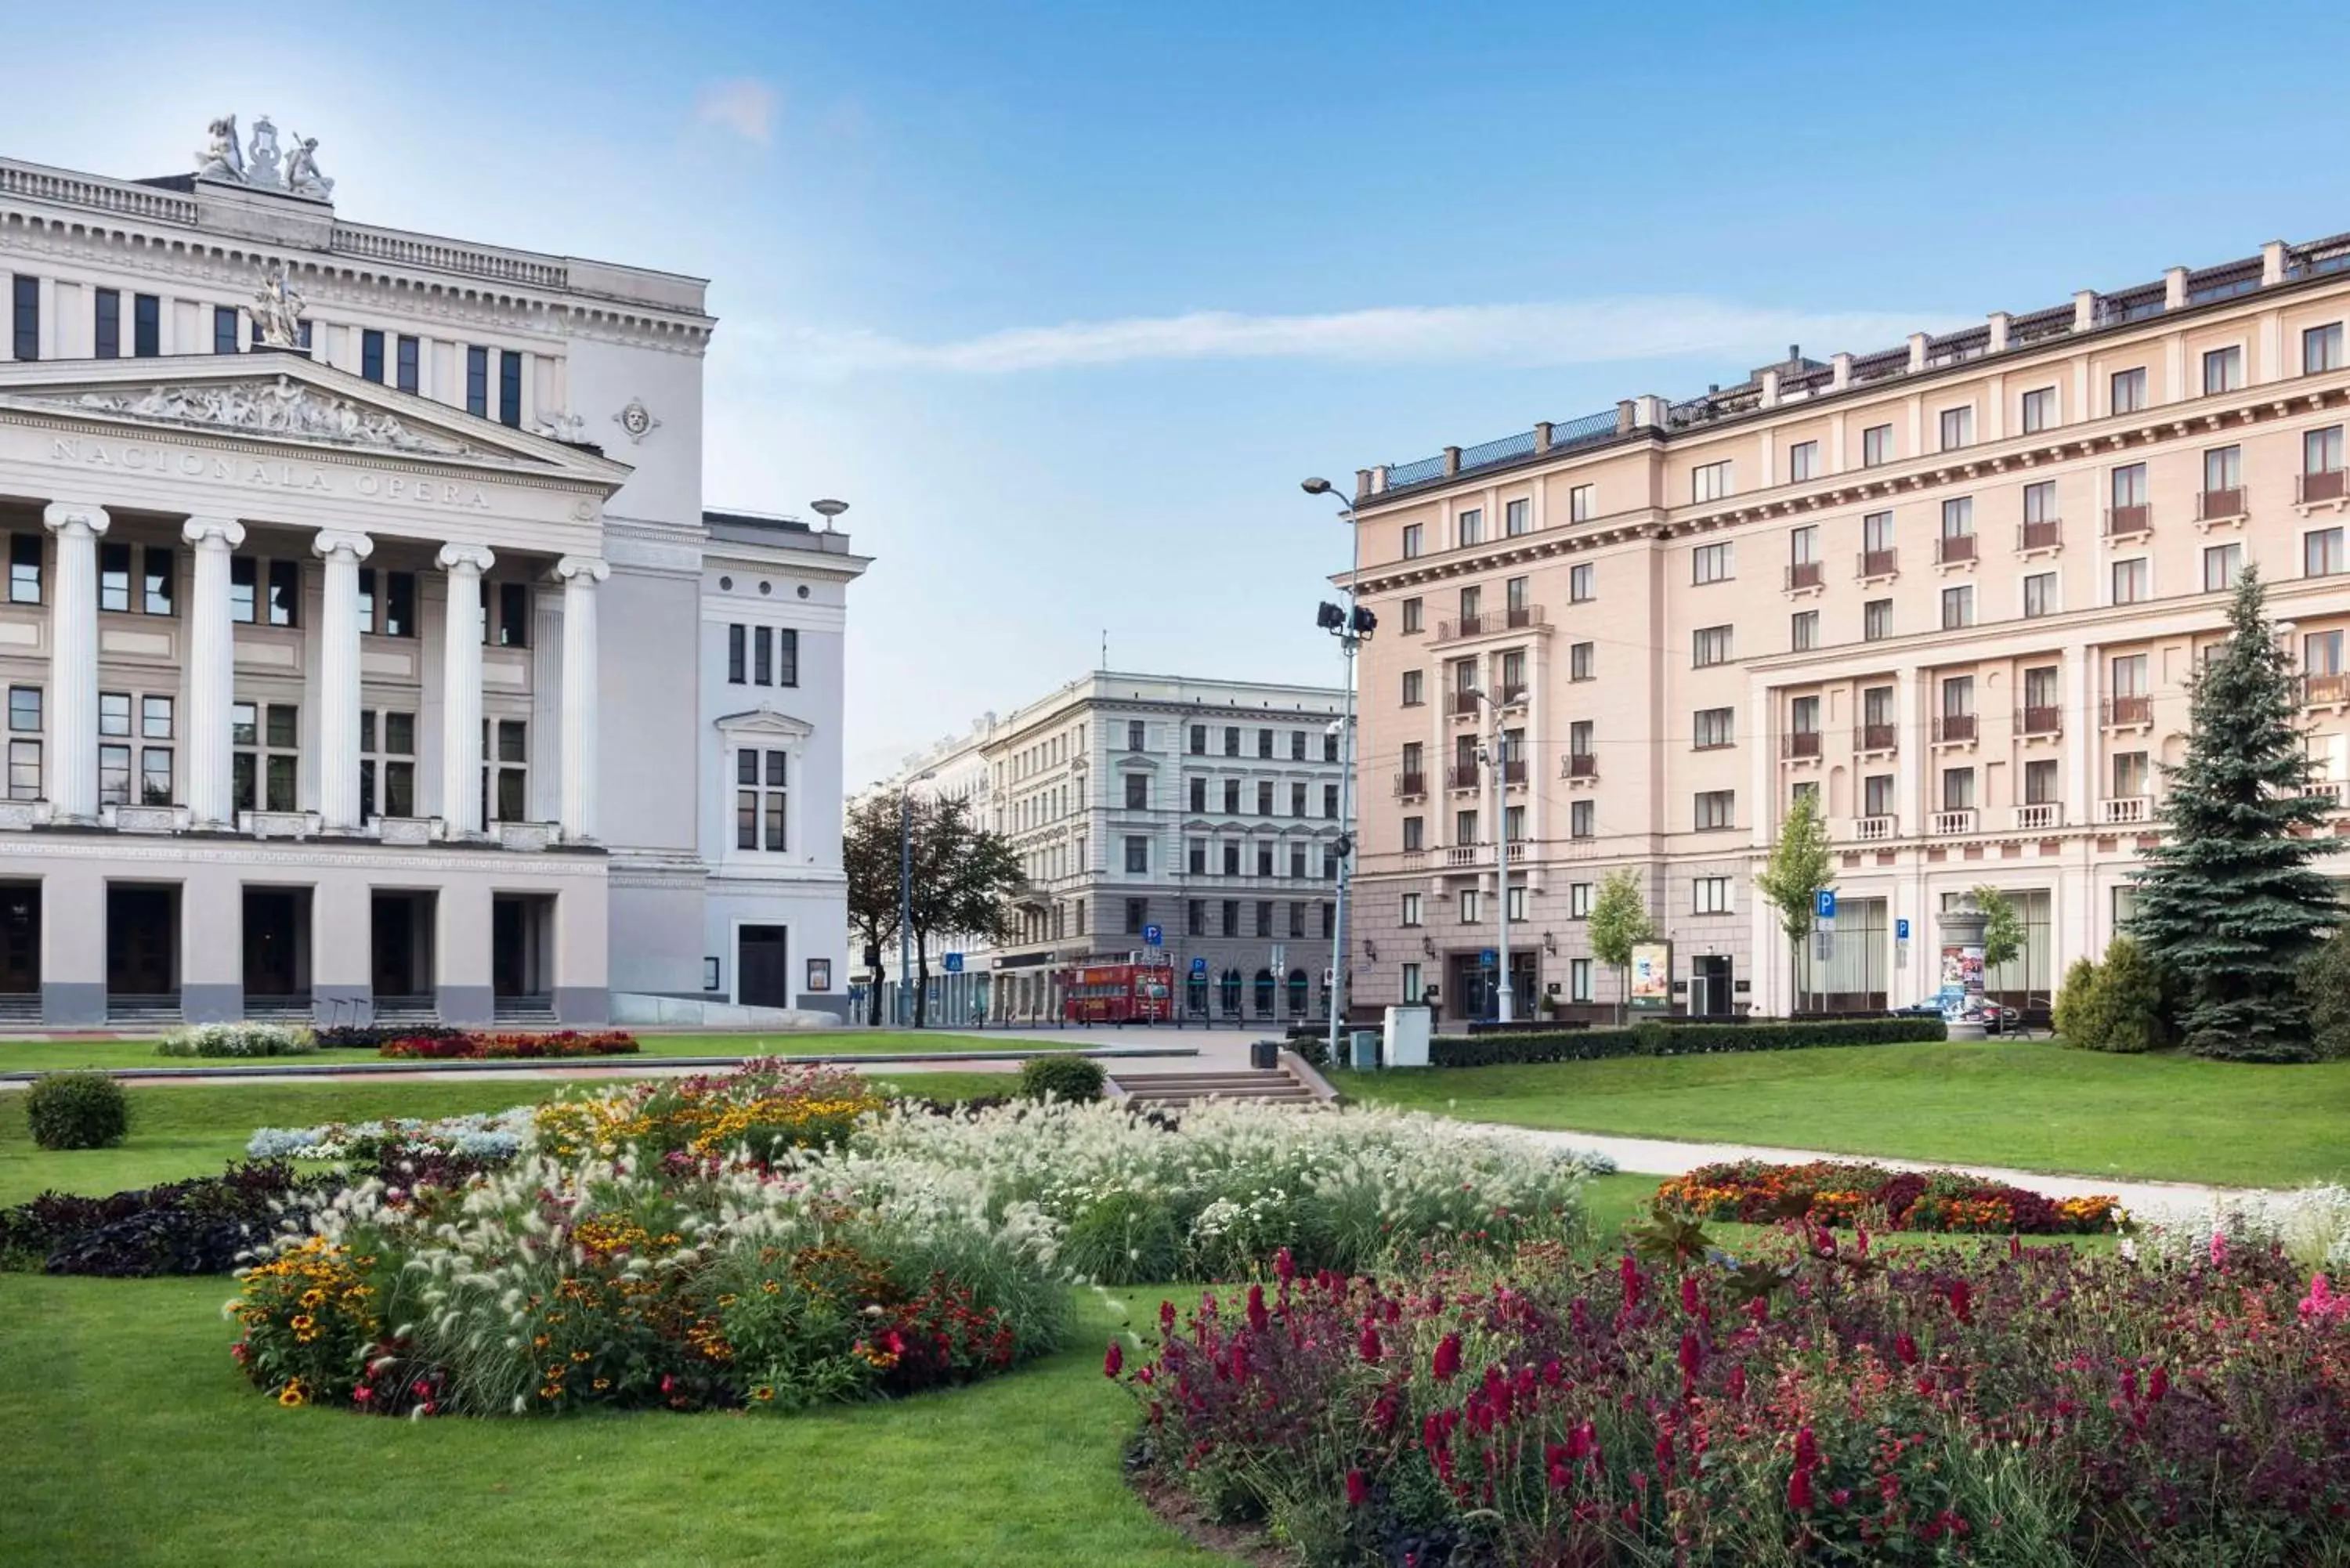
(1652, 977)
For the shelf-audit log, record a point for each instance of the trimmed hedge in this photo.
(1654, 1039)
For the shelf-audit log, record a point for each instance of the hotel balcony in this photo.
(2040, 816)
(1469, 857)
(1799, 743)
(1487, 623)
(2213, 504)
(1582, 765)
(2325, 485)
(2125, 810)
(2121, 711)
(2038, 720)
(1953, 728)
(1954, 547)
(2045, 534)
(1410, 786)
(1461, 704)
(1947, 823)
(1876, 738)
(1805, 574)
(1462, 775)
(2123, 520)
(1877, 563)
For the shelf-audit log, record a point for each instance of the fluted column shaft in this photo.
(72, 722)
(212, 673)
(581, 574)
(461, 688)
(339, 678)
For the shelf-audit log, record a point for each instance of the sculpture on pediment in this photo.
(283, 407)
(261, 160)
(302, 176)
(563, 427)
(277, 307)
(221, 158)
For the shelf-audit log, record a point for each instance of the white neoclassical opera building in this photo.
(367, 648)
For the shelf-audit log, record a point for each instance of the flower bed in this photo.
(764, 1107)
(472, 1045)
(237, 1039)
(1835, 1192)
(195, 1227)
(2014, 1406)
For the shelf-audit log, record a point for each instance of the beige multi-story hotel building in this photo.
(1956, 587)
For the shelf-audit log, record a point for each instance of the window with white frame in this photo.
(505, 770)
(387, 765)
(2321, 348)
(1517, 517)
(1958, 427)
(1710, 895)
(2133, 581)
(266, 755)
(1712, 563)
(1578, 901)
(760, 780)
(1412, 988)
(1408, 914)
(1472, 905)
(24, 742)
(2039, 410)
(1578, 503)
(1803, 461)
(1517, 901)
(2223, 369)
(1579, 980)
(126, 722)
(2129, 391)
(1710, 481)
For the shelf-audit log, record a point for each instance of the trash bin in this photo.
(1364, 1048)
(1265, 1055)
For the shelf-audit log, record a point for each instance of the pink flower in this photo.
(1113, 1360)
(1448, 1358)
(2218, 1249)
(2320, 1304)
(1359, 1490)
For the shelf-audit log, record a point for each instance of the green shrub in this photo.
(1073, 1078)
(2325, 983)
(2074, 1016)
(76, 1110)
(1651, 1038)
(2117, 1005)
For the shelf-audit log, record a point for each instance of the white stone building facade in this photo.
(358, 581)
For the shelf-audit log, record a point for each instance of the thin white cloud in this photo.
(1565, 333)
(744, 106)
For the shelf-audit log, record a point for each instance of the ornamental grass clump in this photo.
(2029, 1407)
(237, 1039)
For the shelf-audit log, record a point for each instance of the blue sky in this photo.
(1065, 300)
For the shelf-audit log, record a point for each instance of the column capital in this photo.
(227, 532)
(466, 557)
(594, 568)
(327, 543)
(64, 516)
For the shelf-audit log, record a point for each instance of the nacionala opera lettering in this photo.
(131, 457)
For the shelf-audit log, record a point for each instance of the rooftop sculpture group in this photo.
(262, 166)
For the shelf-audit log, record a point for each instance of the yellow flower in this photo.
(292, 1396)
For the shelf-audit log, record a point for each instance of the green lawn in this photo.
(127, 1437)
(2034, 1107)
(192, 1129)
(53, 1055)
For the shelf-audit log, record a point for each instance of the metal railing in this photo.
(2120, 520)
(2324, 687)
(1952, 547)
(1804, 574)
(2045, 534)
(1407, 785)
(1487, 453)
(1456, 703)
(1878, 738)
(2211, 503)
(1877, 563)
(1799, 743)
(2038, 720)
(2325, 485)
(2130, 710)
(1583, 764)
(1462, 775)
(1954, 726)
(1515, 771)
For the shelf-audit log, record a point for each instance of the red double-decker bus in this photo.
(1118, 992)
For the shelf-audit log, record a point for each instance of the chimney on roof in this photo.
(1795, 353)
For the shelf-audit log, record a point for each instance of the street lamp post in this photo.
(1499, 761)
(1352, 627)
(903, 1011)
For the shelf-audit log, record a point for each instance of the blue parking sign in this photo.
(1824, 903)
(1152, 936)
(1902, 929)
(1487, 958)
(1200, 966)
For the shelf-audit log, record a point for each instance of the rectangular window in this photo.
(1517, 517)
(1958, 789)
(1803, 461)
(1582, 820)
(1472, 526)
(224, 328)
(1412, 537)
(1958, 608)
(114, 714)
(1297, 800)
(2321, 452)
(2133, 581)
(511, 627)
(1198, 741)
(408, 368)
(1877, 620)
(2222, 565)
(1579, 980)
(1138, 856)
(265, 755)
(1138, 915)
(1876, 446)
(25, 568)
(113, 775)
(27, 317)
(1578, 900)
(1231, 741)
(1957, 428)
(1709, 645)
(2040, 594)
(1415, 833)
(1876, 540)
(1715, 727)
(1264, 743)
(1710, 481)
(1232, 797)
(1709, 896)
(1135, 734)
(2040, 782)
(477, 382)
(1579, 661)
(1264, 797)
(1199, 794)
(399, 604)
(762, 656)
(146, 326)
(2039, 410)
(1959, 523)
(1296, 745)
(114, 577)
(1195, 918)
(242, 577)
(107, 328)
(2129, 391)
(738, 643)
(1876, 794)
(1578, 504)
(1581, 584)
(371, 357)
(155, 579)
(1415, 688)
(1137, 792)
(1804, 631)
(505, 776)
(1716, 809)
(1414, 615)
(2321, 553)
(388, 765)
(1711, 564)
(1472, 906)
(2223, 370)
(510, 388)
(2321, 349)
(1413, 991)
(1231, 859)
(2129, 774)
(1408, 914)
(284, 592)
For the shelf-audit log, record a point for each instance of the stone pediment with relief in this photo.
(278, 407)
(764, 722)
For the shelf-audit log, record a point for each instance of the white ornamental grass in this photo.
(2312, 1224)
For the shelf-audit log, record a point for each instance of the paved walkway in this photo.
(1662, 1157)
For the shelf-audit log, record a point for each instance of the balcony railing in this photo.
(1522, 616)
(2123, 810)
(1952, 547)
(1515, 771)
(1799, 743)
(1408, 785)
(1877, 563)
(1805, 574)
(1872, 829)
(1876, 738)
(2324, 485)
(2045, 534)
(1473, 854)
(2039, 816)
(1949, 822)
(1485, 623)
(1462, 775)
(1456, 703)
(2039, 721)
(2320, 688)
(2330, 793)
(2130, 711)
(1954, 727)
(1583, 764)
(2211, 503)
(1511, 693)
(2120, 520)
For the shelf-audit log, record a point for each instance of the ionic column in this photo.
(212, 673)
(339, 678)
(580, 574)
(461, 688)
(73, 661)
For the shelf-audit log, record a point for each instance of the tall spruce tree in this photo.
(2227, 901)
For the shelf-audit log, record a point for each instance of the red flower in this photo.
(1905, 1350)
(1113, 1360)
(1807, 1449)
(1285, 1267)
(1166, 1317)
(1688, 1294)
(1961, 1301)
(1258, 1318)
(1692, 1356)
(1799, 1490)
(1369, 1346)
(1448, 1358)
(1359, 1490)
(2158, 1383)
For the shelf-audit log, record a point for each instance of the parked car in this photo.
(1997, 1019)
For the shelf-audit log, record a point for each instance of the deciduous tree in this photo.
(1619, 922)
(1792, 879)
